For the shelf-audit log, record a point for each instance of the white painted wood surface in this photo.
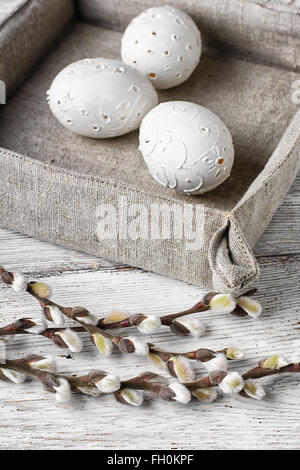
(31, 419)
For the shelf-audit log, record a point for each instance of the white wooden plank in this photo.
(283, 234)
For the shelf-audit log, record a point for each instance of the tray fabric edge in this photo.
(27, 34)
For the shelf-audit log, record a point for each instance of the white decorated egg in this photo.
(100, 98)
(186, 147)
(164, 44)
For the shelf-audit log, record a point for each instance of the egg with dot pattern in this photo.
(164, 44)
(186, 147)
(100, 98)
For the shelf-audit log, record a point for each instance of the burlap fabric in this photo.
(54, 184)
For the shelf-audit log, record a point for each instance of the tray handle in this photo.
(231, 259)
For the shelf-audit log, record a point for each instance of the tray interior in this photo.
(253, 100)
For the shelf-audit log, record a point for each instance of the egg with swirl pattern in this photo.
(186, 147)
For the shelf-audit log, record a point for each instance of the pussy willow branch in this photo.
(50, 333)
(13, 330)
(201, 354)
(98, 334)
(124, 344)
(166, 320)
(8, 278)
(22, 366)
(258, 372)
(195, 355)
(135, 320)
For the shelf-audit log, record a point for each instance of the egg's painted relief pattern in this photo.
(100, 97)
(186, 147)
